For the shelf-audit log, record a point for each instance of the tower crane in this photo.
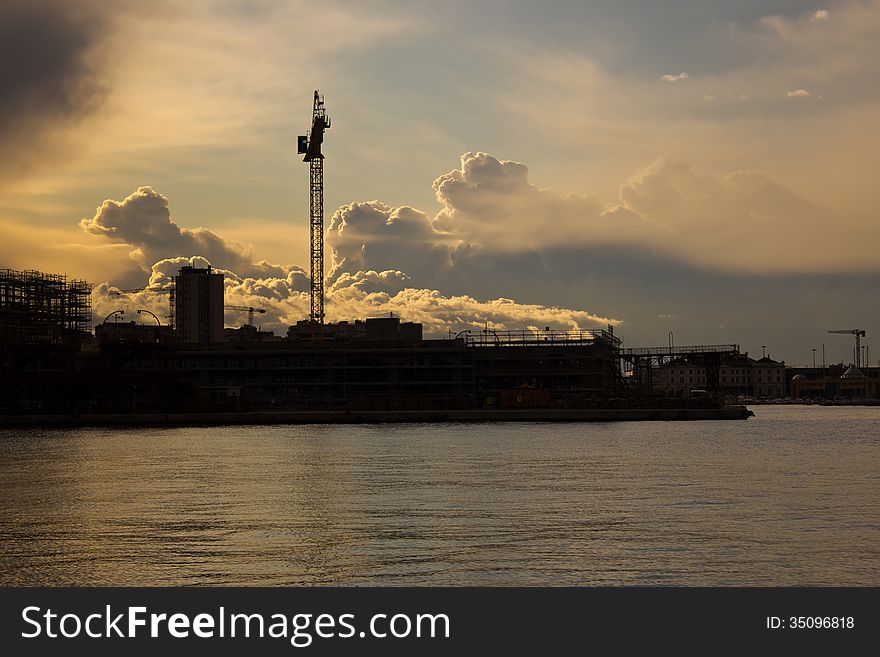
(310, 147)
(859, 334)
(250, 311)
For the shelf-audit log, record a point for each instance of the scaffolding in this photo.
(36, 307)
(531, 337)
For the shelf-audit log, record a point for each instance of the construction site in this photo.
(194, 368)
(39, 308)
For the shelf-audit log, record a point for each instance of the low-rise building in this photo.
(739, 377)
(374, 329)
(836, 381)
(133, 333)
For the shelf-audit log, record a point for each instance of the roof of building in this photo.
(853, 372)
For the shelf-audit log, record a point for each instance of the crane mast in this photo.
(310, 147)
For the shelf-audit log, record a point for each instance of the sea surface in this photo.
(789, 497)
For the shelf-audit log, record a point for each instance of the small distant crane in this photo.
(250, 311)
(859, 334)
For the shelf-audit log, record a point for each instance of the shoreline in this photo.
(379, 417)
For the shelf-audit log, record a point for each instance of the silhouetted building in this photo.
(131, 332)
(374, 329)
(198, 305)
(248, 333)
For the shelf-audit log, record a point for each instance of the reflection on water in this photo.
(788, 497)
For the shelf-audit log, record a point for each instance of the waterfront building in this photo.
(739, 376)
(837, 381)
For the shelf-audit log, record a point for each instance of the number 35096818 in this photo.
(811, 622)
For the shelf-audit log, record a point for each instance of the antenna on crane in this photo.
(310, 147)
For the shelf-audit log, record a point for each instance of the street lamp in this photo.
(814, 358)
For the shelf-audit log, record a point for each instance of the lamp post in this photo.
(814, 358)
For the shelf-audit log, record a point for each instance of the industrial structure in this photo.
(250, 310)
(858, 334)
(40, 308)
(310, 147)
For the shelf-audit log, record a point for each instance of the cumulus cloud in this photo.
(739, 221)
(358, 296)
(669, 77)
(820, 15)
(388, 282)
(51, 76)
(143, 221)
(497, 233)
(369, 235)
(490, 208)
(798, 93)
(700, 207)
(491, 203)
(440, 313)
(373, 248)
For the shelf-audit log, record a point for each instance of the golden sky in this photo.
(701, 166)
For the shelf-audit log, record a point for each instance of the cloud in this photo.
(143, 221)
(737, 221)
(798, 93)
(489, 207)
(369, 282)
(705, 254)
(358, 296)
(361, 238)
(491, 203)
(369, 235)
(708, 98)
(52, 71)
(674, 78)
(820, 15)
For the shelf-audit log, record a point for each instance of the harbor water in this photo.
(789, 497)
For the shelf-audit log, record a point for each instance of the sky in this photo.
(700, 167)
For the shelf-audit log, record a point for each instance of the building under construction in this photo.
(40, 308)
